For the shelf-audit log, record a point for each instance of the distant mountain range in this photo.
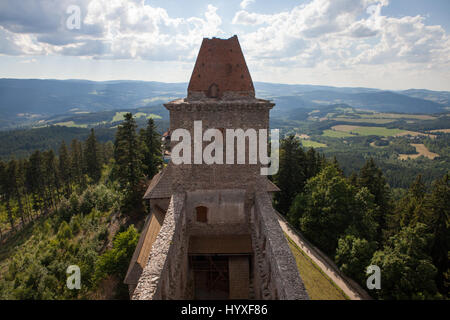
(26, 103)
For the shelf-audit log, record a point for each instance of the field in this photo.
(365, 116)
(415, 134)
(312, 144)
(368, 131)
(318, 285)
(372, 144)
(71, 124)
(441, 130)
(119, 116)
(336, 134)
(376, 115)
(421, 150)
(366, 120)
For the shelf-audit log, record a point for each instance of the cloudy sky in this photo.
(388, 44)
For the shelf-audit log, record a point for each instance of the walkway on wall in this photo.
(350, 287)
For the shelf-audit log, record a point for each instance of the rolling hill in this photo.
(31, 102)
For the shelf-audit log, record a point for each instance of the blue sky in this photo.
(388, 44)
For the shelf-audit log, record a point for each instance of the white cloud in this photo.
(110, 29)
(245, 3)
(321, 36)
(341, 34)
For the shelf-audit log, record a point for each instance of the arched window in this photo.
(202, 214)
(213, 91)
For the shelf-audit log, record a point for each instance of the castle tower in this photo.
(212, 232)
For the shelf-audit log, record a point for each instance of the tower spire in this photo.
(221, 71)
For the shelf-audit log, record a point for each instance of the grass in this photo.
(368, 131)
(119, 116)
(312, 144)
(421, 151)
(71, 124)
(398, 116)
(336, 134)
(368, 120)
(441, 130)
(153, 116)
(318, 285)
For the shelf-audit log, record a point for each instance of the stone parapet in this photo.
(277, 274)
(165, 275)
(213, 105)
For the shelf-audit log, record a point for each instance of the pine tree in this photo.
(9, 189)
(76, 159)
(91, 158)
(152, 154)
(313, 163)
(408, 272)
(438, 220)
(51, 179)
(411, 208)
(371, 177)
(27, 187)
(128, 164)
(64, 169)
(34, 177)
(17, 182)
(2, 187)
(291, 176)
(6, 191)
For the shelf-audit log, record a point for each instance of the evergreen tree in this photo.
(7, 187)
(51, 179)
(407, 269)
(291, 176)
(35, 177)
(128, 164)
(152, 153)
(372, 178)
(92, 158)
(25, 167)
(2, 186)
(64, 169)
(330, 207)
(16, 181)
(410, 209)
(76, 159)
(438, 220)
(353, 256)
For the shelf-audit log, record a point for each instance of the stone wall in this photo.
(248, 114)
(227, 212)
(165, 276)
(275, 270)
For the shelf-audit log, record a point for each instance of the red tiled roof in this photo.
(221, 62)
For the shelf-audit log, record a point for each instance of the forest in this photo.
(83, 206)
(357, 221)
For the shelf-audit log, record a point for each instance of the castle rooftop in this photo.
(221, 72)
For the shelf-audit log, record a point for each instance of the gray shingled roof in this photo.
(161, 185)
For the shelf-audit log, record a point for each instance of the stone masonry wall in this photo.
(222, 115)
(226, 214)
(275, 270)
(165, 275)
